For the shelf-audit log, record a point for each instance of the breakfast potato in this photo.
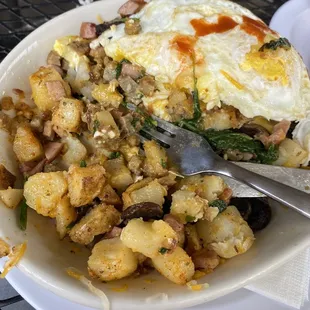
(107, 128)
(176, 266)
(48, 88)
(99, 220)
(26, 145)
(228, 235)
(193, 243)
(75, 151)
(291, 154)
(111, 260)
(65, 215)
(43, 192)
(149, 238)
(153, 191)
(7, 179)
(128, 151)
(107, 96)
(85, 184)
(187, 206)
(4, 248)
(109, 196)
(11, 197)
(67, 115)
(156, 161)
(118, 174)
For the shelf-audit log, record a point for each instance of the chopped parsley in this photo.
(83, 164)
(163, 163)
(135, 121)
(274, 44)
(163, 251)
(218, 203)
(114, 155)
(96, 125)
(119, 67)
(189, 218)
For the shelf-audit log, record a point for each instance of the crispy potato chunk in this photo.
(7, 179)
(26, 145)
(65, 215)
(149, 238)
(42, 96)
(67, 115)
(99, 220)
(107, 96)
(156, 159)
(111, 260)
(75, 150)
(11, 197)
(85, 184)
(43, 192)
(153, 191)
(118, 174)
(109, 196)
(176, 266)
(228, 235)
(4, 248)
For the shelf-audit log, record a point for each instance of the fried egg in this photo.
(222, 40)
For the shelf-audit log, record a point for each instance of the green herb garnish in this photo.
(220, 204)
(163, 250)
(163, 163)
(114, 155)
(274, 44)
(189, 218)
(135, 121)
(120, 67)
(83, 164)
(23, 215)
(96, 125)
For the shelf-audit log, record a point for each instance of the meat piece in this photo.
(88, 31)
(278, 134)
(48, 131)
(147, 85)
(80, 47)
(96, 73)
(174, 222)
(127, 84)
(7, 179)
(56, 90)
(205, 259)
(129, 8)
(27, 166)
(52, 150)
(132, 70)
(132, 26)
(53, 59)
(98, 54)
(125, 124)
(115, 232)
(58, 69)
(37, 123)
(109, 73)
(37, 168)
(135, 164)
(226, 195)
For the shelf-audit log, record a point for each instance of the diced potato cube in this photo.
(228, 234)
(193, 243)
(111, 260)
(106, 96)
(109, 196)
(149, 238)
(107, 128)
(188, 206)
(26, 145)
(176, 266)
(65, 215)
(156, 161)
(43, 192)
(75, 150)
(67, 115)
(85, 184)
(152, 192)
(4, 248)
(11, 197)
(291, 154)
(40, 93)
(7, 179)
(118, 174)
(99, 220)
(128, 151)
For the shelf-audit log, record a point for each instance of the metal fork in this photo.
(193, 155)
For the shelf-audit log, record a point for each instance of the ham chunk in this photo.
(52, 150)
(56, 90)
(130, 7)
(88, 31)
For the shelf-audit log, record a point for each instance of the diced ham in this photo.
(56, 90)
(205, 259)
(147, 86)
(38, 168)
(53, 59)
(226, 195)
(88, 31)
(58, 69)
(131, 70)
(59, 131)
(52, 150)
(115, 232)
(48, 130)
(174, 222)
(130, 7)
(27, 166)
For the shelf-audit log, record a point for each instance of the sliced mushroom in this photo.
(146, 210)
(106, 25)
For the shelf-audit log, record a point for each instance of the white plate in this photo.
(292, 21)
(47, 257)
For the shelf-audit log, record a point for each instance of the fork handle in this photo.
(286, 195)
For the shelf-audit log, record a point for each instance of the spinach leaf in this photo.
(114, 155)
(83, 164)
(274, 44)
